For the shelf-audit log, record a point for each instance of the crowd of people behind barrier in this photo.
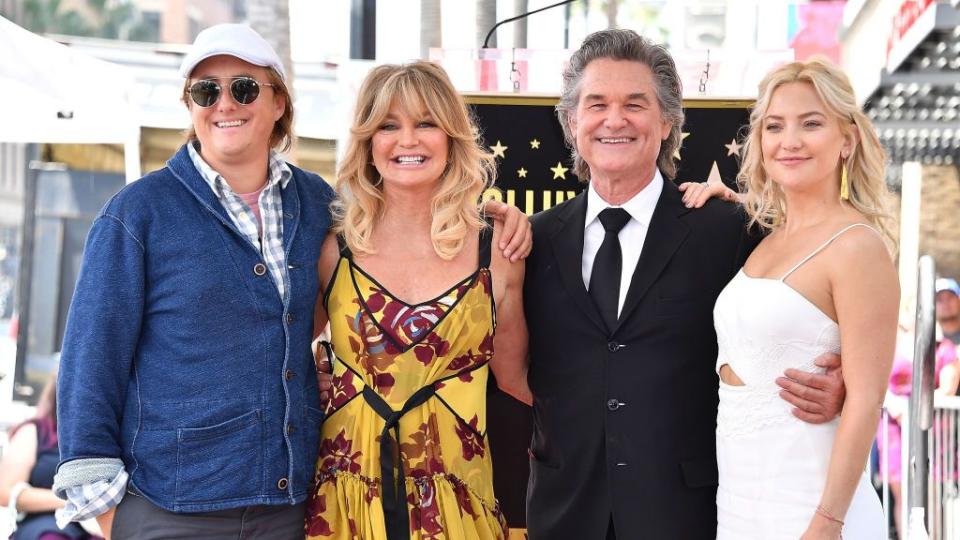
(890, 448)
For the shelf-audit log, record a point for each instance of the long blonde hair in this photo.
(469, 170)
(866, 166)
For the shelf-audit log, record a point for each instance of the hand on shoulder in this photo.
(516, 237)
(696, 194)
(507, 271)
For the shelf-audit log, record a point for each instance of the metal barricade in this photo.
(921, 405)
(930, 432)
(943, 493)
(941, 502)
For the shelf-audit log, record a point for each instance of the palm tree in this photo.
(271, 19)
(612, 7)
(122, 20)
(47, 17)
(520, 27)
(486, 18)
(113, 20)
(430, 33)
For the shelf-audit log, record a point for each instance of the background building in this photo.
(903, 57)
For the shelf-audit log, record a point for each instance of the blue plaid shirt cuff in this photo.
(90, 500)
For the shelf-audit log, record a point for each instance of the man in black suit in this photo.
(619, 296)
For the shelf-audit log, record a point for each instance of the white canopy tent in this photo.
(50, 93)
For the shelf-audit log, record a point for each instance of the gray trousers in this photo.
(139, 519)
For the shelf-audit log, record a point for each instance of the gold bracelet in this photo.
(828, 515)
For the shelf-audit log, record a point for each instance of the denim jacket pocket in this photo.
(214, 462)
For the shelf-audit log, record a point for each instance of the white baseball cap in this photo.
(237, 40)
(947, 284)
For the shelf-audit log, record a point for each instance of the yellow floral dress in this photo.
(409, 381)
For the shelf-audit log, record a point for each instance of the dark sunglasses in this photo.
(244, 90)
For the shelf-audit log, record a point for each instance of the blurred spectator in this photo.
(946, 376)
(26, 474)
(948, 317)
(948, 368)
(948, 308)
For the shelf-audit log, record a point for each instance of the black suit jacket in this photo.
(625, 418)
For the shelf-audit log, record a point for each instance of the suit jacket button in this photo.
(289, 318)
(288, 374)
(613, 404)
(259, 269)
(613, 346)
(282, 483)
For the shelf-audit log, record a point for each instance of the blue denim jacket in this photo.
(181, 358)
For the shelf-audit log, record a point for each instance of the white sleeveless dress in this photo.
(773, 466)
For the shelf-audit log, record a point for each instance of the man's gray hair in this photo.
(620, 44)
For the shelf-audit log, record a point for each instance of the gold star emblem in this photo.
(733, 149)
(521, 172)
(559, 171)
(499, 150)
(676, 153)
(535, 144)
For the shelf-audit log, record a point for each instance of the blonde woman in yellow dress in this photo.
(417, 303)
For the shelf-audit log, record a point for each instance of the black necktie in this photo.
(608, 265)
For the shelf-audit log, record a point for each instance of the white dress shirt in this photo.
(640, 207)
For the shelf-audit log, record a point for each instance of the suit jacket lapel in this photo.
(664, 236)
(567, 241)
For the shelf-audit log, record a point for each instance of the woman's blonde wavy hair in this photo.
(866, 164)
(470, 169)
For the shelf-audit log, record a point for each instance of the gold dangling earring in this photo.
(844, 183)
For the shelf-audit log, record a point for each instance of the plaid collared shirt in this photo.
(270, 243)
(88, 501)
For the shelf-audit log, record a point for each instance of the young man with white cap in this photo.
(188, 392)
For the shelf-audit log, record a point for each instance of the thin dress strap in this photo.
(486, 241)
(824, 246)
(344, 250)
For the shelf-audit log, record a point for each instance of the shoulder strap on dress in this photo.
(344, 250)
(824, 246)
(486, 241)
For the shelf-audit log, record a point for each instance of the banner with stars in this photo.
(534, 168)
(535, 172)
